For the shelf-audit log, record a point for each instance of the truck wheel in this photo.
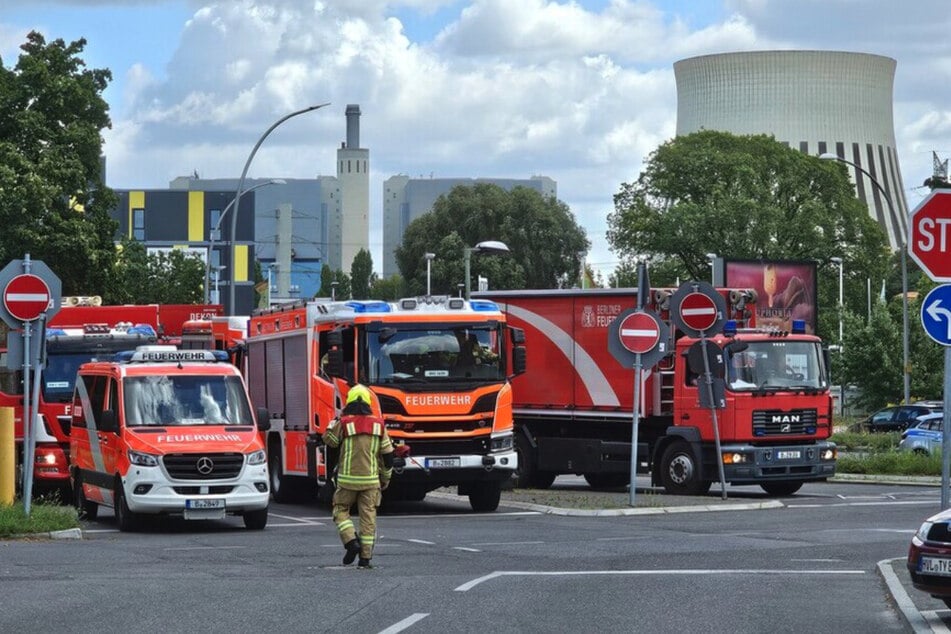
(255, 520)
(607, 480)
(785, 487)
(527, 476)
(282, 486)
(485, 497)
(87, 510)
(680, 473)
(125, 519)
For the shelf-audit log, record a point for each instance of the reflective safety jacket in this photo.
(363, 442)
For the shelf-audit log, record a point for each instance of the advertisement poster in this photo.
(785, 290)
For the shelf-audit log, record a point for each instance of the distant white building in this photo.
(816, 101)
(353, 174)
(405, 199)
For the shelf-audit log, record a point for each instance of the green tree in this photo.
(53, 202)
(546, 244)
(361, 274)
(173, 277)
(388, 289)
(328, 277)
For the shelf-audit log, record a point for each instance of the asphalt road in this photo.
(810, 562)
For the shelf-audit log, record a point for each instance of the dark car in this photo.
(898, 417)
(929, 557)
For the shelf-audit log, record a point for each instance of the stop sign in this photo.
(698, 311)
(26, 297)
(639, 333)
(930, 236)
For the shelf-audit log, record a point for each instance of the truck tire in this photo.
(485, 497)
(783, 487)
(527, 476)
(126, 520)
(284, 488)
(680, 473)
(607, 480)
(87, 510)
(255, 520)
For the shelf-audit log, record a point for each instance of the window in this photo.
(213, 220)
(138, 224)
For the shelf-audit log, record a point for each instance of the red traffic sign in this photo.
(930, 236)
(698, 311)
(639, 333)
(26, 297)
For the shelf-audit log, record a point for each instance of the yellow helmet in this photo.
(358, 393)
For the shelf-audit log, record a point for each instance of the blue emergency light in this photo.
(483, 305)
(799, 326)
(369, 307)
(729, 328)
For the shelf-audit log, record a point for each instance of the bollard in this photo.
(7, 456)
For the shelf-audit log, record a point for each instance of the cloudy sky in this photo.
(580, 91)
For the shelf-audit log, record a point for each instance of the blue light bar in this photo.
(483, 305)
(369, 307)
(729, 328)
(142, 329)
(799, 326)
(55, 332)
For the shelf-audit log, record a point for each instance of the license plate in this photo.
(935, 566)
(210, 503)
(443, 463)
(204, 514)
(788, 455)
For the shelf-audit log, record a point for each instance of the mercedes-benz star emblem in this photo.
(205, 465)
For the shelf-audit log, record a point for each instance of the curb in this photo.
(69, 533)
(904, 602)
(699, 508)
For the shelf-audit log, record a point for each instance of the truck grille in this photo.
(469, 446)
(203, 466)
(776, 422)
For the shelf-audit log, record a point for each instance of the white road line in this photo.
(506, 543)
(429, 516)
(421, 541)
(935, 621)
(294, 518)
(883, 503)
(468, 550)
(405, 623)
(827, 561)
(206, 548)
(511, 573)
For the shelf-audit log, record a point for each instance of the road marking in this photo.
(468, 550)
(421, 541)
(405, 623)
(889, 503)
(934, 620)
(828, 561)
(511, 573)
(506, 543)
(430, 516)
(206, 548)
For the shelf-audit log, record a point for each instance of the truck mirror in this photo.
(518, 336)
(335, 338)
(518, 360)
(107, 421)
(264, 419)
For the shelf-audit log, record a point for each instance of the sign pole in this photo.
(946, 434)
(638, 370)
(708, 380)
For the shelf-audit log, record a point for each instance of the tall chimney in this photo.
(353, 126)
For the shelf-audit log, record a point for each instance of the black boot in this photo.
(353, 548)
(364, 563)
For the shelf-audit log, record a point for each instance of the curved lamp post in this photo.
(237, 194)
(486, 246)
(216, 232)
(906, 366)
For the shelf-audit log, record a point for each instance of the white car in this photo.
(924, 437)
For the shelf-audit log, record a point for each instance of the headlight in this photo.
(257, 457)
(143, 459)
(922, 533)
(501, 443)
(829, 454)
(734, 458)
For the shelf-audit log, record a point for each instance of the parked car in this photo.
(898, 417)
(929, 557)
(925, 435)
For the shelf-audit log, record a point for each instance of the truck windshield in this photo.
(777, 365)
(185, 400)
(414, 353)
(59, 375)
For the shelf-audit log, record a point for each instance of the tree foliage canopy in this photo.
(546, 244)
(53, 202)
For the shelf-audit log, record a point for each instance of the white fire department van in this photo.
(159, 430)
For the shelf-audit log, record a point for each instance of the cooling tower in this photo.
(816, 101)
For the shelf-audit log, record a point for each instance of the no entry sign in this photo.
(639, 333)
(26, 297)
(698, 311)
(697, 307)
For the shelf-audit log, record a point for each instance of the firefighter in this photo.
(364, 470)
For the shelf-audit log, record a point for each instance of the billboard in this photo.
(785, 290)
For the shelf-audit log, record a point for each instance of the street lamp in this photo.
(906, 365)
(215, 295)
(216, 232)
(487, 246)
(429, 261)
(712, 257)
(838, 263)
(237, 194)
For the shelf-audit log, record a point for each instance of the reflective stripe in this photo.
(377, 429)
(344, 525)
(92, 434)
(351, 429)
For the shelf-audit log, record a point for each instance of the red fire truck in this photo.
(573, 406)
(439, 370)
(82, 330)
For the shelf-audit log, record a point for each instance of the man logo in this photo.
(786, 428)
(205, 465)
